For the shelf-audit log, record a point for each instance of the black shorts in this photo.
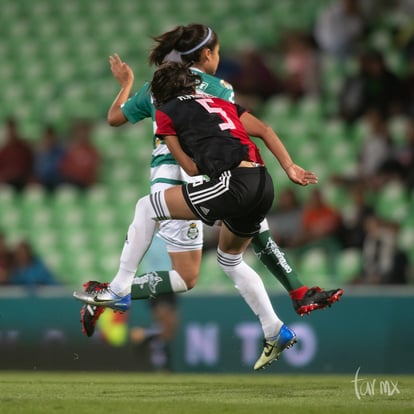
(241, 198)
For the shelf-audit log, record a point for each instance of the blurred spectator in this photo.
(339, 27)
(373, 86)
(16, 157)
(404, 27)
(375, 10)
(353, 218)
(383, 261)
(320, 220)
(376, 148)
(285, 220)
(48, 156)
(165, 313)
(406, 7)
(301, 66)
(321, 225)
(81, 161)
(408, 87)
(229, 67)
(160, 336)
(253, 80)
(28, 268)
(404, 155)
(5, 260)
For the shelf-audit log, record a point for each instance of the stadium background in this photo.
(54, 68)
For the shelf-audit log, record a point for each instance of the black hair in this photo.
(173, 79)
(182, 39)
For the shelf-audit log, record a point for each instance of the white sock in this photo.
(251, 287)
(140, 233)
(178, 284)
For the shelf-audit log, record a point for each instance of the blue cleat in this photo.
(105, 298)
(273, 347)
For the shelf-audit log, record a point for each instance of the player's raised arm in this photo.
(256, 128)
(125, 77)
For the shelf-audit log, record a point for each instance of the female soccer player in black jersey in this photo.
(210, 136)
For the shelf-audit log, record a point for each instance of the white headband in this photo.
(201, 44)
(173, 56)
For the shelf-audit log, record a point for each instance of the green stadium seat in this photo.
(102, 217)
(310, 110)
(124, 198)
(107, 265)
(307, 153)
(38, 220)
(75, 273)
(349, 265)
(332, 131)
(34, 196)
(8, 196)
(314, 268)
(55, 260)
(11, 223)
(336, 195)
(69, 76)
(104, 138)
(67, 208)
(122, 172)
(392, 202)
(277, 107)
(74, 238)
(332, 76)
(342, 158)
(395, 60)
(359, 131)
(397, 127)
(46, 240)
(96, 197)
(66, 195)
(137, 140)
(406, 238)
(9, 12)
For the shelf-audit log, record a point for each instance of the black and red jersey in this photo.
(209, 131)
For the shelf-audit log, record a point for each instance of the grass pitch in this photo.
(78, 393)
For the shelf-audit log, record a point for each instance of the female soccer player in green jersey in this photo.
(196, 44)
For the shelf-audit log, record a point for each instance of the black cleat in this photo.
(316, 298)
(90, 313)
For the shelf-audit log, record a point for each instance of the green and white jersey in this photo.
(164, 168)
(215, 86)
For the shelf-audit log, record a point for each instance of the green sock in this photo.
(273, 258)
(151, 284)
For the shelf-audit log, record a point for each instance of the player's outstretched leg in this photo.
(305, 300)
(274, 346)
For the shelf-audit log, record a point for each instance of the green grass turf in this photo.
(123, 393)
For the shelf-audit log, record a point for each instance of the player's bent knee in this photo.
(187, 265)
(228, 261)
(189, 278)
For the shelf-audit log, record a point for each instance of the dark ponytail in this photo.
(183, 39)
(173, 79)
